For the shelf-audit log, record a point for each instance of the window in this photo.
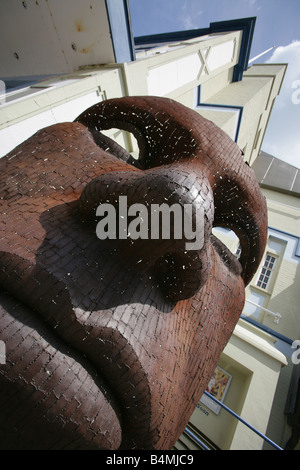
(266, 271)
(254, 305)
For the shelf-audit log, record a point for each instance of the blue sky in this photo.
(277, 24)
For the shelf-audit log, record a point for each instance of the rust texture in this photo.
(110, 344)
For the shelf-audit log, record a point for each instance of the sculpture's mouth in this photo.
(70, 403)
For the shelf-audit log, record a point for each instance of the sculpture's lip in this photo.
(64, 377)
(69, 332)
(122, 371)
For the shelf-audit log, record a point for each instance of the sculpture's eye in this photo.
(237, 212)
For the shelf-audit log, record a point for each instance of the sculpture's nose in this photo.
(168, 133)
(161, 220)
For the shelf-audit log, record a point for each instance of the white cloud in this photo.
(282, 138)
(189, 15)
(189, 23)
(251, 2)
(252, 5)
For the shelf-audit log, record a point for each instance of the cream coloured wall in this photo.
(203, 61)
(264, 404)
(255, 94)
(254, 364)
(283, 211)
(283, 293)
(209, 62)
(283, 297)
(220, 428)
(259, 355)
(55, 100)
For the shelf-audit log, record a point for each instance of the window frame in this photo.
(266, 271)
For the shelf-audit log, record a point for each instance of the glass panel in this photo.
(266, 271)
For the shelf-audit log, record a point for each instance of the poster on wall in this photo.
(217, 387)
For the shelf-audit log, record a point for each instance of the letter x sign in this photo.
(203, 55)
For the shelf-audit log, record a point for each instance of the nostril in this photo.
(117, 141)
(229, 238)
(181, 276)
(227, 245)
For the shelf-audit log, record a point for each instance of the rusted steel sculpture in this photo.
(111, 343)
